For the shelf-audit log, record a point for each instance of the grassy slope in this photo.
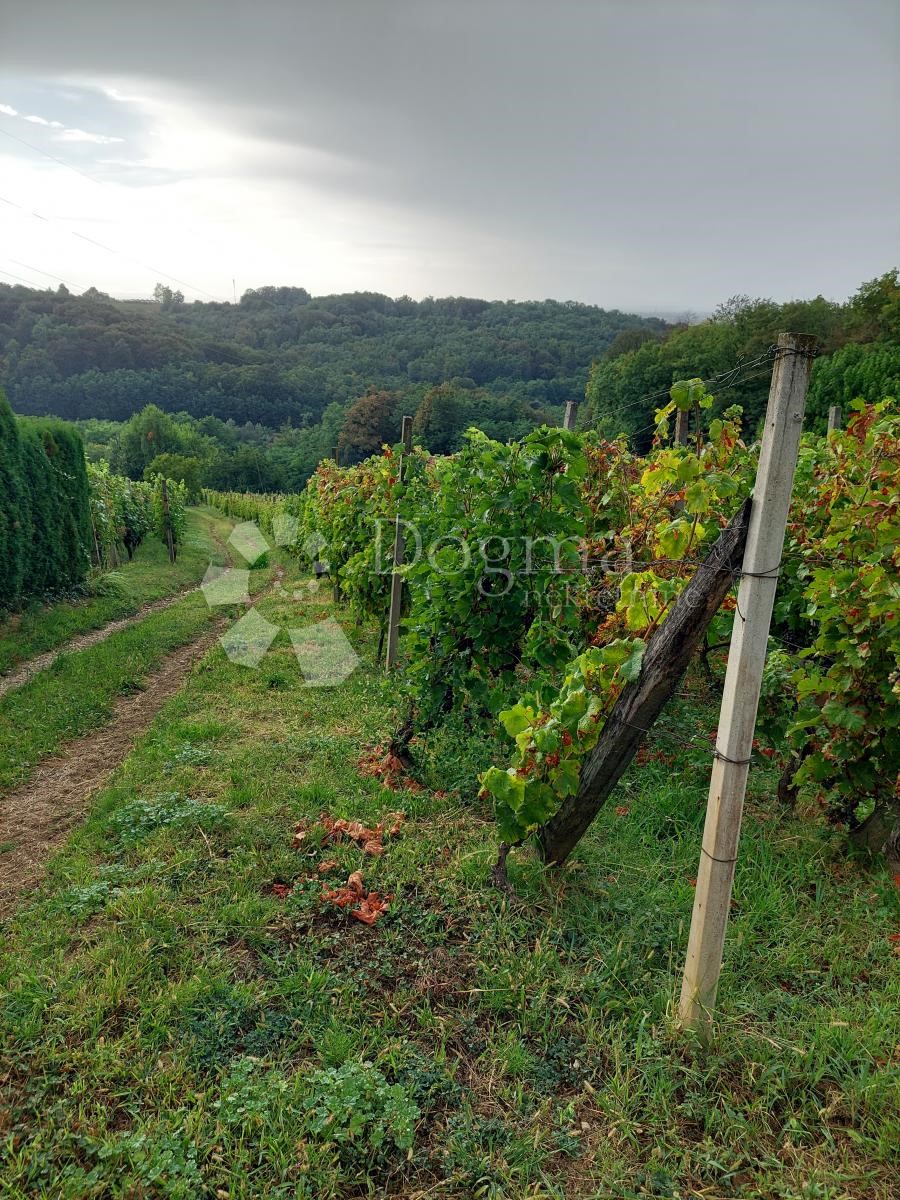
(149, 576)
(164, 1010)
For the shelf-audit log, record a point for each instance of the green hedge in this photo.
(44, 508)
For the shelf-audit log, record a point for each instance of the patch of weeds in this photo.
(247, 1090)
(215, 1024)
(428, 1083)
(656, 1183)
(304, 897)
(452, 755)
(222, 1022)
(190, 756)
(167, 1162)
(568, 1143)
(366, 1118)
(110, 583)
(171, 810)
(559, 1066)
(85, 900)
(476, 1150)
(273, 1028)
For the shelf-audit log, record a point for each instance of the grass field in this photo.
(148, 577)
(183, 1016)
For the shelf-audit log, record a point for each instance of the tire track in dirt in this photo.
(22, 674)
(36, 818)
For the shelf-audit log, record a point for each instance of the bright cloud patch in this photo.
(67, 134)
(81, 135)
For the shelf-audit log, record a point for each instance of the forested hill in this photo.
(282, 356)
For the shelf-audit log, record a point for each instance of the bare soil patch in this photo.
(36, 818)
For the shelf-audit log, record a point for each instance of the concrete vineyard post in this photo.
(743, 678)
(571, 411)
(393, 631)
(834, 418)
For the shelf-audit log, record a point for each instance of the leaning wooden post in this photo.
(834, 418)
(743, 677)
(667, 656)
(393, 630)
(571, 411)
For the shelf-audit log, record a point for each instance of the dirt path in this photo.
(37, 818)
(21, 675)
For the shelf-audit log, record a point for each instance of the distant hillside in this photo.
(282, 356)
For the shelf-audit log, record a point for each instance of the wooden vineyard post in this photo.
(98, 557)
(743, 677)
(167, 521)
(571, 411)
(393, 630)
(336, 588)
(834, 418)
(682, 420)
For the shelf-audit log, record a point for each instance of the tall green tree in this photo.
(371, 422)
(441, 419)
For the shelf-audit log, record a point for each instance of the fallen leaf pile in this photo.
(336, 829)
(382, 764)
(365, 906)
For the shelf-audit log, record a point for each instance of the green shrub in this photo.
(44, 508)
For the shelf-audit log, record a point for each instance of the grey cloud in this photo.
(657, 152)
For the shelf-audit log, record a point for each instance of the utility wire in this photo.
(38, 271)
(112, 250)
(100, 183)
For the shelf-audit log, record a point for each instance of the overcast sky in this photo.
(648, 154)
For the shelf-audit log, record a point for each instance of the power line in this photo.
(721, 381)
(100, 183)
(100, 245)
(38, 271)
(61, 161)
(21, 279)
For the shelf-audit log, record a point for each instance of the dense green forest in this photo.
(252, 396)
(282, 356)
(859, 357)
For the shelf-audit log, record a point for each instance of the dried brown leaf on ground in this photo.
(369, 838)
(366, 906)
(389, 768)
